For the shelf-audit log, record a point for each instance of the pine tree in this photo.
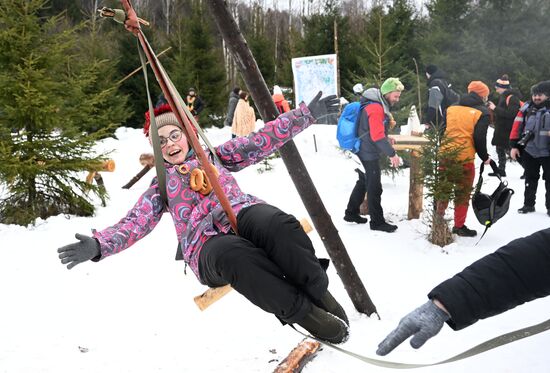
(42, 153)
(440, 172)
(97, 100)
(196, 63)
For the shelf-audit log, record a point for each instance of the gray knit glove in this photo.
(320, 108)
(87, 248)
(422, 323)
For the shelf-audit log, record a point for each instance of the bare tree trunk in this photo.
(167, 8)
(292, 159)
(337, 59)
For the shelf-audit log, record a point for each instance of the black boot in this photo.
(355, 218)
(464, 231)
(384, 227)
(325, 326)
(331, 305)
(526, 209)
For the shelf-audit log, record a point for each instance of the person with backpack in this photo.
(440, 96)
(373, 124)
(270, 260)
(279, 100)
(505, 111)
(466, 129)
(514, 274)
(530, 139)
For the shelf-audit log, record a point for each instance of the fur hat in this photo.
(163, 117)
(391, 85)
(479, 88)
(541, 88)
(430, 69)
(503, 82)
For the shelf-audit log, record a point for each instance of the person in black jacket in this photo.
(231, 105)
(194, 103)
(505, 111)
(516, 273)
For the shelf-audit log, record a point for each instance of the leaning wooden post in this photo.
(292, 159)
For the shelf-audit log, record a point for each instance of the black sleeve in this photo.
(514, 274)
(509, 111)
(480, 137)
(198, 105)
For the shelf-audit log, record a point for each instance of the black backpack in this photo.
(490, 208)
(450, 96)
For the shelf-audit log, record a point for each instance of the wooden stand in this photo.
(416, 186)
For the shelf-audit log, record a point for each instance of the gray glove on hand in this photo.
(422, 323)
(322, 107)
(87, 248)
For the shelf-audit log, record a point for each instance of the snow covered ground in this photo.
(134, 312)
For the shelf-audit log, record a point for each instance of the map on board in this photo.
(313, 74)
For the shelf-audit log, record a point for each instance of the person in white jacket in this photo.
(244, 120)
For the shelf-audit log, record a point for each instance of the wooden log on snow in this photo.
(212, 295)
(298, 357)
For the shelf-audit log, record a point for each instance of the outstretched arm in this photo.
(137, 223)
(514, 274)
(242, 152)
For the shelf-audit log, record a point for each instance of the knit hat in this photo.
(391, 85)
(163, 117)
(430, 69)
(358, 88)
(277, 90)
(479, 88)
(503, 82)
(541, 88)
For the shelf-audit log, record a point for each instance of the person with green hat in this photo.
(373, 127)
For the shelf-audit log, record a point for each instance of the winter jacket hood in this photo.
(374, 94)
(438, 74)
(473, 100)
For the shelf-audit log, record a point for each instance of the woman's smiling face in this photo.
(173, 144)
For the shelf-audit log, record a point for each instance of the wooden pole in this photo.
(291, 157)
(416, 187)
(139, 68)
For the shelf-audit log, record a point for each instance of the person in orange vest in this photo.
(467, 125)
(279, 100)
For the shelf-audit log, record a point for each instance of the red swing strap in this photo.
(182, 113)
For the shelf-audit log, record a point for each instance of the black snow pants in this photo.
(532, 167)
(271, 262)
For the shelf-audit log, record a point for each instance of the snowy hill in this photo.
(134, 312)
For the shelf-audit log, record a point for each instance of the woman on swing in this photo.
(271, 261)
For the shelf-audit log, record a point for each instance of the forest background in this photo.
(66, 75)
(469, 39)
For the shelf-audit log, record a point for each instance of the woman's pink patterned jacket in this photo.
(198, 217)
